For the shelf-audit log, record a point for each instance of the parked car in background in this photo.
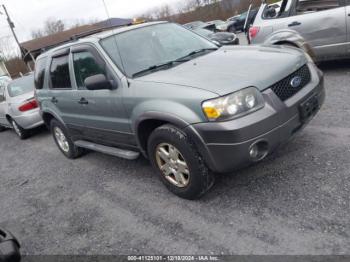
(220, 25)
(190, 107)
(319, 27)
(222, 38)
(239, 22)
(233, 18)
(200, 24)
(18, 107)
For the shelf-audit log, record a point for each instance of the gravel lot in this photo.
(294, 202)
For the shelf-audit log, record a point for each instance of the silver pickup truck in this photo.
(320, 27)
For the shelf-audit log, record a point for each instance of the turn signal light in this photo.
(28, 105)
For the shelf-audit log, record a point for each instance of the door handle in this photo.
(294, 24)
(54, 100)
(83, 101)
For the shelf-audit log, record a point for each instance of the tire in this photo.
(2, 128)
(196, 180)
(63, 141)
(20, 131)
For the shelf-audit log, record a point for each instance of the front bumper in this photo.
(225, 146)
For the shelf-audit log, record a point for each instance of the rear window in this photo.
(59, 73)
(39, 74)
(21, 86)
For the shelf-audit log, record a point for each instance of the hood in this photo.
(230, 69)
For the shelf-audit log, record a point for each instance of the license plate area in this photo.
(308, 108)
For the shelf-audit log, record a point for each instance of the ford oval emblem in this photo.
(296, 82)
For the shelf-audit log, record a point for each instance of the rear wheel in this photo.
(63, 141)
(21, 132)
(180, 166)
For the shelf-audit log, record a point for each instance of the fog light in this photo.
(254, 151)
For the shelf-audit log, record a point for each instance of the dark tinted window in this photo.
(316, 6)
(59, 73)
(39, 76)
(85, 66)
(21, 86)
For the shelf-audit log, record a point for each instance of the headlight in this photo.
(234, 105)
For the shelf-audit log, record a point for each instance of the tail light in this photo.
(253, 31)
(30, 104)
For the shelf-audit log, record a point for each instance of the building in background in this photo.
(33, 48)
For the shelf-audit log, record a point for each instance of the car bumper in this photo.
(29, 120)
(227, 146)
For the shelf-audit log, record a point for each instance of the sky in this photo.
(31, 14)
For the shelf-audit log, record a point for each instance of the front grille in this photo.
(284, 89)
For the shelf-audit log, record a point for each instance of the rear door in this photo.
(322, 23)
(60, 86)
(100, 112)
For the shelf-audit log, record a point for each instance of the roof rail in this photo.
(95, 31)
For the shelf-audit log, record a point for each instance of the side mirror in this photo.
(98, 82)
(9, 247)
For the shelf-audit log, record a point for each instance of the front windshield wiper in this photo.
(159, 66)
(203, 50)
(172, 63)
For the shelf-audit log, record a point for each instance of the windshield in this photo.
(21, 86)
(139, 49)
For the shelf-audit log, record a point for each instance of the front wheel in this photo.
(180, 166)
(63, 141)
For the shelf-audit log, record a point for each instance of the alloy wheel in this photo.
(61, 139)
(16, 128)
(172, 165)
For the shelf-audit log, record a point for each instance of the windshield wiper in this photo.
(197, 52)
(172, 63)
(159, 66)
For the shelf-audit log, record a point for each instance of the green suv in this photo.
(190, 107)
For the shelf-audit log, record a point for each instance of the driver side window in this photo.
(85, 66)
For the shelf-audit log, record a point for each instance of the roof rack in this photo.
(95, 31)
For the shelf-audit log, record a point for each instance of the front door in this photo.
(102, 117)
(321, 23)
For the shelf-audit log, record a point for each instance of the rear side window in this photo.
(85, 66)
(310, 6)
(59, 73)
(39, 74)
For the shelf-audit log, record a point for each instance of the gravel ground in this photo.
(294, 202)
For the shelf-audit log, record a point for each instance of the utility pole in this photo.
(12, 27)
